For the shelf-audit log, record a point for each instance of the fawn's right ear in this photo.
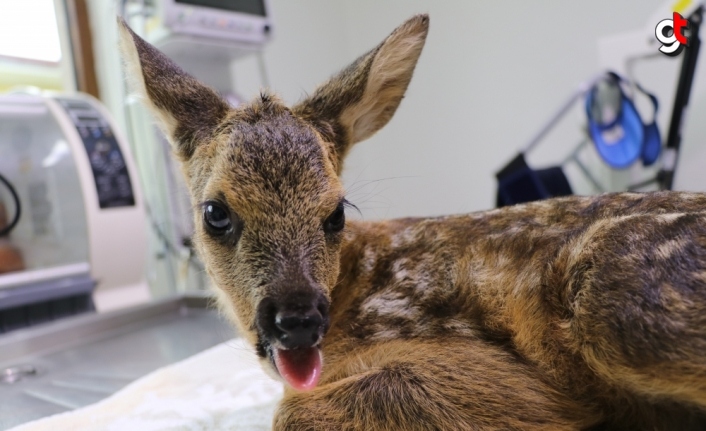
(362, 98)
(187, 111)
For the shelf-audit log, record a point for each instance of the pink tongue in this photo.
(301, 368)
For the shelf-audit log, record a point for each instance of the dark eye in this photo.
(335, 222)
(216, 218)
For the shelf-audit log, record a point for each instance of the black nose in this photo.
(294, 320)
(299, 329)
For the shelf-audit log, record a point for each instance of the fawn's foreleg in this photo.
(411, 385)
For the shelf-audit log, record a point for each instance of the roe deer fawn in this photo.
(571, 313)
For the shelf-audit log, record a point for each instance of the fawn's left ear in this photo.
(361, 99)
(187, 111)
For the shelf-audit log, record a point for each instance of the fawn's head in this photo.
(264, 181)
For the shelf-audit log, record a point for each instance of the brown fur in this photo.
(573, 313)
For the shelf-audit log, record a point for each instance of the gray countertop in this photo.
(81, 360)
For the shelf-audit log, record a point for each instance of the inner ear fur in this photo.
(363, 97)
(187, 111)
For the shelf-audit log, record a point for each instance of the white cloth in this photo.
(223, 388)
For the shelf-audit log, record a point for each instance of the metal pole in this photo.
(686, 78)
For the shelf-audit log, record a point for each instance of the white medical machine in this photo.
(245, 21)
(203, 36)
(80, 241)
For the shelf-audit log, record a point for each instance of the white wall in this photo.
(491, 74)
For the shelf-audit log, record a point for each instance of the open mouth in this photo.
(300, 367)
(289, 335)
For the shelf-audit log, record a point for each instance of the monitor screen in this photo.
(253, 7)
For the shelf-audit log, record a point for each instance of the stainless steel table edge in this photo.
(72, 331)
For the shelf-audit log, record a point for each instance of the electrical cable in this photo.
(18, 207)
